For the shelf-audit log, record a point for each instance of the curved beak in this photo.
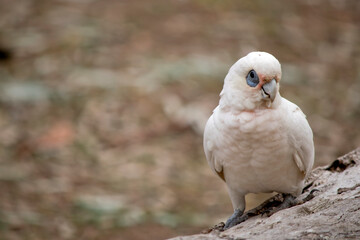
(268, 90)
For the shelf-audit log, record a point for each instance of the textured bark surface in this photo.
(334, 213)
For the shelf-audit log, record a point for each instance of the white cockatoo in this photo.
(256, 140)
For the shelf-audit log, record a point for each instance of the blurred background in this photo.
(103, 106)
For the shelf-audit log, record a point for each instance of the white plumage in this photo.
(256, 140)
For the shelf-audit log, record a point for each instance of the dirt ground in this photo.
(103, 105)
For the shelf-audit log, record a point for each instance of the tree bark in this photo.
(334, 212)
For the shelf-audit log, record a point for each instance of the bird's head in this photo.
(252, 83)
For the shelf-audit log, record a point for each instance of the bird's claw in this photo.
(309, 196)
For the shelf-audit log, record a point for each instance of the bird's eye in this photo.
(252, 79)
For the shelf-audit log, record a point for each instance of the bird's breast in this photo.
(254, 150)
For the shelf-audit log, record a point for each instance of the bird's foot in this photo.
(235, 219)
(309, 197)
(286, 201)
(269, 207)
(289, 201)
(238, 217)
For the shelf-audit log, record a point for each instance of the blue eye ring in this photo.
(252, 79)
